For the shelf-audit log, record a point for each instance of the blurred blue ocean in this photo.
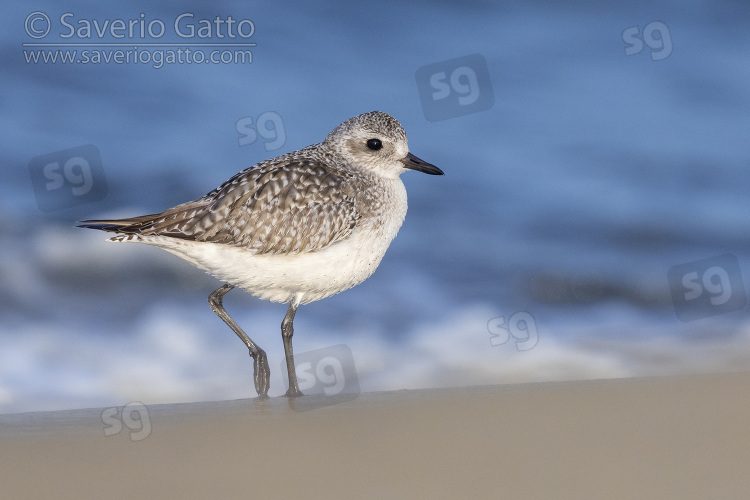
(591, 174)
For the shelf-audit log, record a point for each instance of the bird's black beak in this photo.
(413, 163)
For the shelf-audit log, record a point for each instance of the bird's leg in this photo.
(287, 330)
(261, 371)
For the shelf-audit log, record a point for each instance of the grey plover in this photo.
(293, 229)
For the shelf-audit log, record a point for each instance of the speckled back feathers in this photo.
(298, 202)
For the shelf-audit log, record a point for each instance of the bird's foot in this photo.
(261, 373)
(293, 392)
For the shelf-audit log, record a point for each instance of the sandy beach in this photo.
(671, 437)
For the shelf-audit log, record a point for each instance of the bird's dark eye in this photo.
(374, 144)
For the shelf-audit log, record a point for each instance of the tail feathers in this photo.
(101, 225)
(172, 222)
(132, 225)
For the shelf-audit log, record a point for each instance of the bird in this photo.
(292, 229)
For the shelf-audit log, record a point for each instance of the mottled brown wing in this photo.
(272, 208)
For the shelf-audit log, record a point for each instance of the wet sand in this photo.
(673, 437)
